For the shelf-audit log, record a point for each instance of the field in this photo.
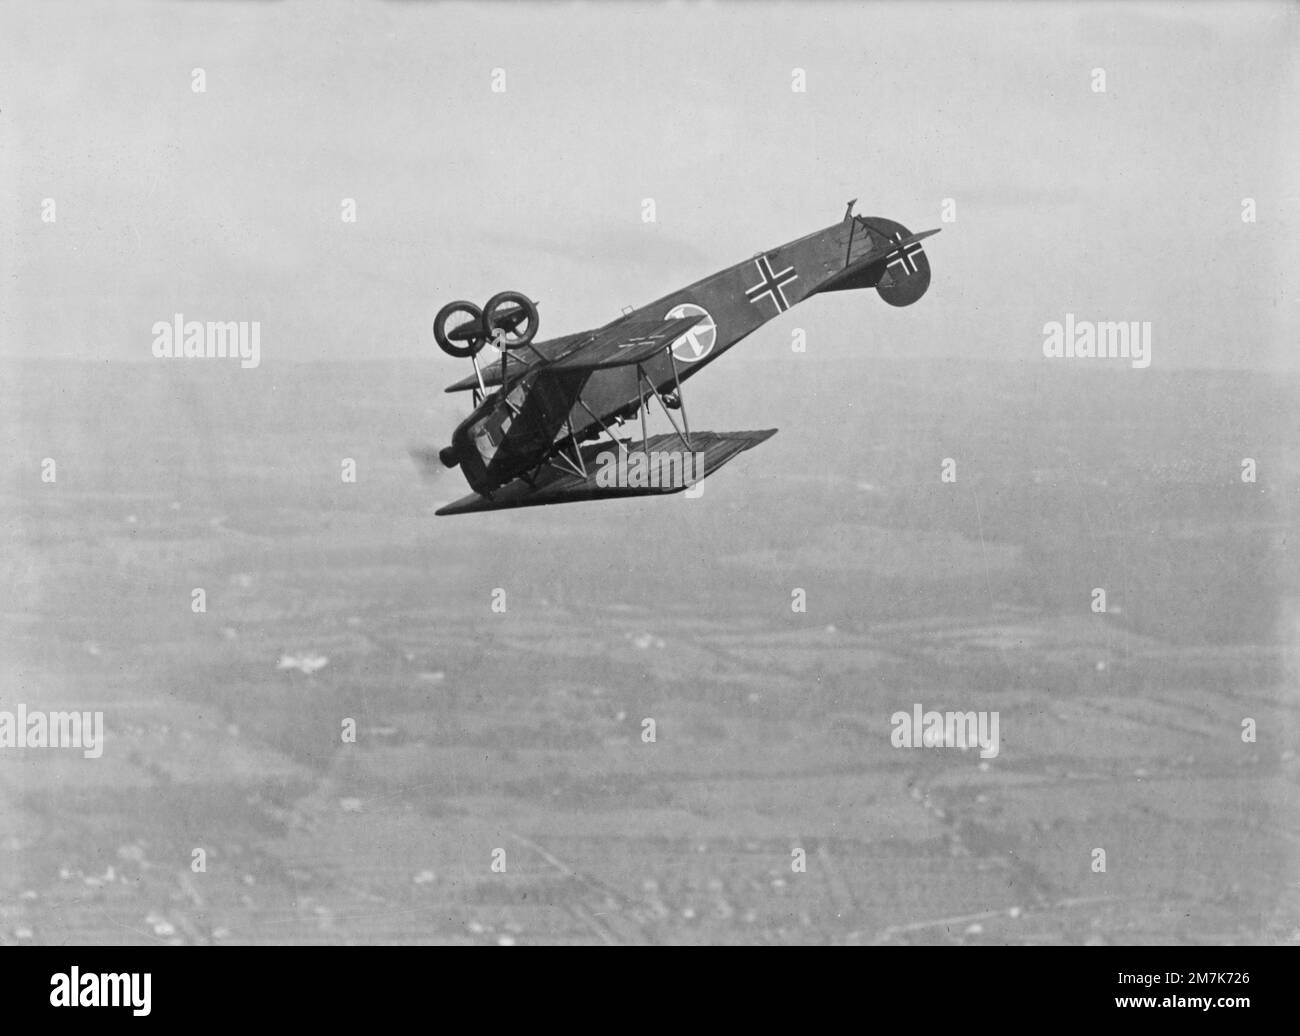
(516, 734)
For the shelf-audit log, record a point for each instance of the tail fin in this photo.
(886, 256)
(907, 271)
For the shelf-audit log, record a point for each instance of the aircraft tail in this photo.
(886, 256)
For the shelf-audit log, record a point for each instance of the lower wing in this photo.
(611, 471)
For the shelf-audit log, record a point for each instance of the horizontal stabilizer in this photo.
(661, 466)
(867, 271)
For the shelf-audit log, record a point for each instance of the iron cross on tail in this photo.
(547, 417)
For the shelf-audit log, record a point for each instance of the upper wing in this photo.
(709, 451)
(632, 341)
(517, 363)
(618, 345)
(491, 376)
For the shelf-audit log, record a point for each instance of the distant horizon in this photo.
(1112, 366)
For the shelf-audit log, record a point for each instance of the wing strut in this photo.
(642, 377)
(579, 467)
(481, 392)
(603, 427)
(681, 399)
(505, 357)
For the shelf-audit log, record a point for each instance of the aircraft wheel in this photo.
(458, 329)
(510, 320)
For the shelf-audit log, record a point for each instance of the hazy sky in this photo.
(225, 205)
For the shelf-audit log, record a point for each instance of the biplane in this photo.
(548, 414)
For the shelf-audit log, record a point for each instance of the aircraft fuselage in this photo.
(515, 429)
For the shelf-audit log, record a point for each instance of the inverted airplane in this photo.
(529, 440)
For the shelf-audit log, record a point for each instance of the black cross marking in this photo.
(771, 284)
(904, 256)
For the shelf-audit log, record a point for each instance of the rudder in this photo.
(905, 276)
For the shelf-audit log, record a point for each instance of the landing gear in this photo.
(510, 320)
(458, 329)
